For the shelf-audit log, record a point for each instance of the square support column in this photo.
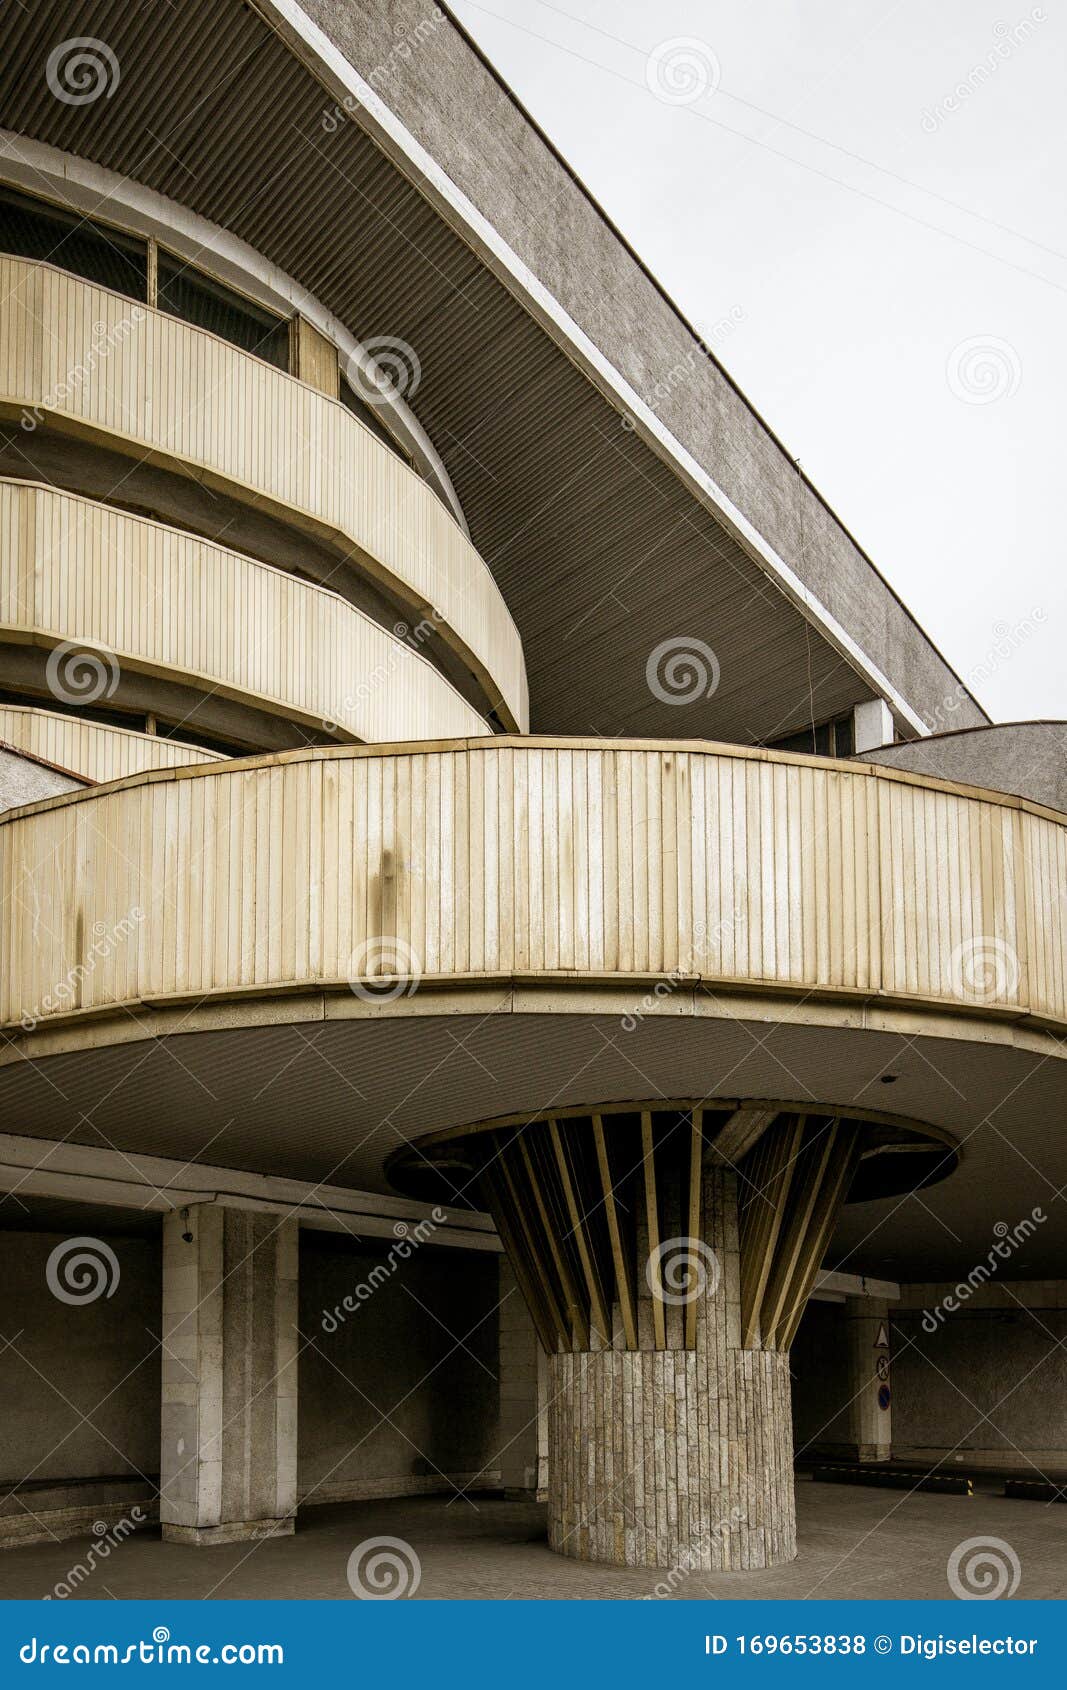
(228, 1448)
(872, 726)
(870, 1415)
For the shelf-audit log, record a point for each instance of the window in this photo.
(49, 234)
(826, 739)
(368, 415)
(198, 299)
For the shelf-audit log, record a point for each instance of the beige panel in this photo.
(165, 602)
(309, 867)
(86, 359)
(92, 749)
(314, 358)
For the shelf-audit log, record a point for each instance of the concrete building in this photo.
(523, 970)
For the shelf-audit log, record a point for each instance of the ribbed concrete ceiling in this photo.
(332, 1101)
(600, 551)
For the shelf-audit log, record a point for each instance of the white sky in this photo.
(857, 246)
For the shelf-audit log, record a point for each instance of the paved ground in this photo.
(854, 1542)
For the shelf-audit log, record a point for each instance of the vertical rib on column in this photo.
(677, 1458)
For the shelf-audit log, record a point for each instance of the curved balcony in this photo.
(95, 751)
(95, 364)
(161, 602)
(564, 865)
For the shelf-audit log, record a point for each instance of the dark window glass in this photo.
(368, 414)
(826, 739)
(207, 304)
(30, 228)
(845, 733)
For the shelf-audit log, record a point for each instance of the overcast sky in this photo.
(861, 206)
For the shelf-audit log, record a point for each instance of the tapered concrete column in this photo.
(228, 1455)
(676, 1457)
(870, 1412)
(666, 1252)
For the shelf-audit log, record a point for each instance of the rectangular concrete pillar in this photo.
(228, 1455)
(518, 1369)
(872, 726)
(870, 1412)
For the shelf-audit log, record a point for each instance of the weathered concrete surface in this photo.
(982, 1386)
(987, 1387)
(463, 115)
(398, 1391)
(854, 1543)
(870, 1409)
(80, 1379)
(1027, 758)
(24, 780)
(228, 1439)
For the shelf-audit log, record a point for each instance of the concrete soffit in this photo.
(340, 78)
(157, 1184)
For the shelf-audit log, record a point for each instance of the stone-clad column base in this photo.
(659, 1459)
(665, 1254)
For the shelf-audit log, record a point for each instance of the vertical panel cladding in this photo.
(676, 1459)
(184, 397)
(499, 858)
(76, 571)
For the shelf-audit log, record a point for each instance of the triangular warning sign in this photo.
(882, 1340)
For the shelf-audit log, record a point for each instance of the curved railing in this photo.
(573, 862)
(75, 573)
(97, 364)
(94, 750)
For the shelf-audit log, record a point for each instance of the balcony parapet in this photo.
(371, 880)
(92, 363)
(77, 575)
